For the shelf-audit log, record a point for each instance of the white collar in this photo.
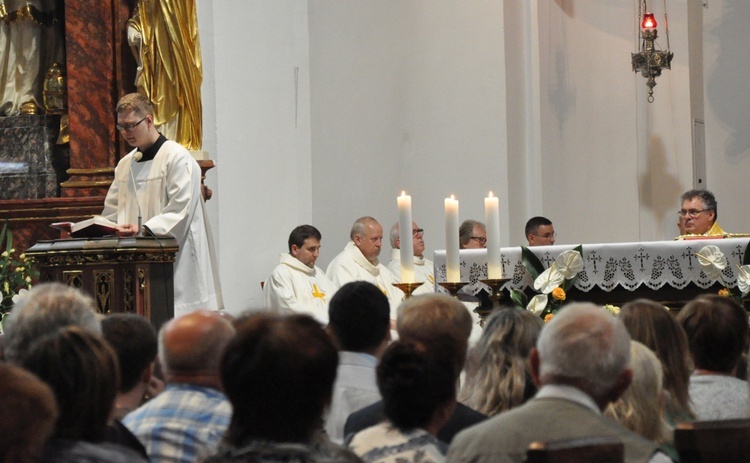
(560, 391)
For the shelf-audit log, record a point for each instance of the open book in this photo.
(94, 227)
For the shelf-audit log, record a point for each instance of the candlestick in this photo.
(405, 237)
(407, 288)
(452, 263)
(453, 287)
(492, 219)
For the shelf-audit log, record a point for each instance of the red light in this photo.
(649, 22)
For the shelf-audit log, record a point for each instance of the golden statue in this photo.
(163, 35)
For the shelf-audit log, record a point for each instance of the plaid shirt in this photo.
(182, 423)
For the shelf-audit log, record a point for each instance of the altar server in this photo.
(296, 284)
(359, 261)
(158, 185)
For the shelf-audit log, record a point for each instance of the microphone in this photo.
(137, 156)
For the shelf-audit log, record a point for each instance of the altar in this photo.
(614, 273)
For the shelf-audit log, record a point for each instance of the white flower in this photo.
(569, 263)
(21, 294)
(548, 280)
(537, 304)
(712, 260)
(743, 279)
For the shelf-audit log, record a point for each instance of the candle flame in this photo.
(490, 196)
(453, 198)
(403, 193)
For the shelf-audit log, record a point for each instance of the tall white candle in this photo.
(452, 263)
(405, 237)
(492, 219)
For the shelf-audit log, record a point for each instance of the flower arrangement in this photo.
(552, 284)
(713, 262)
(17, 274)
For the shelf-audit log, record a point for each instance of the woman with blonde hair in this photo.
(651, 324)
(498, 374)
(640, 408)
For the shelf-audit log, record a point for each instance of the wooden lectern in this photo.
(133, 274)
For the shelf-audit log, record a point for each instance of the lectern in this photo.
(133, 274)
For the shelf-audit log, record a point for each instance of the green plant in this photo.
(17, 273)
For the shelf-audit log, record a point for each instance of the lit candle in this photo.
(492, 219)
(452, 263)
(405, 236)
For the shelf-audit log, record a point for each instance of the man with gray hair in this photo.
(190, 417)
(698, 214)
(359, 261)
(424, 270)
(45, 309)
(581, 364)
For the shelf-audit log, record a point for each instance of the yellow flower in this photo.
(548, 317)
(559, 294)
(613, 309)
(724, 292)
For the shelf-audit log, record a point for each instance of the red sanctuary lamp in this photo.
(650, 61)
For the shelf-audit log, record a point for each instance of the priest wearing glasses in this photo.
(158, 187)
(698, 214)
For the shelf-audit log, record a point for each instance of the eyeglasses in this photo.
(129, 127)
(546, 235)
(693, 213)
(417, 231)
(479, 239)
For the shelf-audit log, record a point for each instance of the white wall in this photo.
(533, 100)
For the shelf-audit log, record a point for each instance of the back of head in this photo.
(717, 332)
(584, 346)
(278, 373)
(413, 382)
(134, 341)
(498, 375)
(191, 347)
(359, 316)
(532, 226)
(135, 102)
(27, 415)
(81, 369)
(300, 234)
(438, 322)
(652, 325)
(45, 309)
(640, 409)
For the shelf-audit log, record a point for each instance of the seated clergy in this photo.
(699, 213)
(359, 261)
(424, 270)
(296, 284)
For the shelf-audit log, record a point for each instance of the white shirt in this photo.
(355, 388)
(351, 265)
(424, 271)
(169, 194)
(293, 286)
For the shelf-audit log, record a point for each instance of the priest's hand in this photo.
(127, 230)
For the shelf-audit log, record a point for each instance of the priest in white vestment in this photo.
(424, 271)
(158, 187)
(359, 261)
(297, 284)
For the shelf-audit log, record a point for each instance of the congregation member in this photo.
(581, 363)
(81, 369)
(641, 407)
(27, 416)
(698, 214)
(46, 308)
(134, 341)
(359, 261)
(158, 187)
(472, 235)
(297, 284)
(419, 394)
(540, 231)
(652, 325)
(190, 417)
(424, 269)
(498, 373)
(717, 333)
(278, 374)
(442, 325)
(359, 323)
